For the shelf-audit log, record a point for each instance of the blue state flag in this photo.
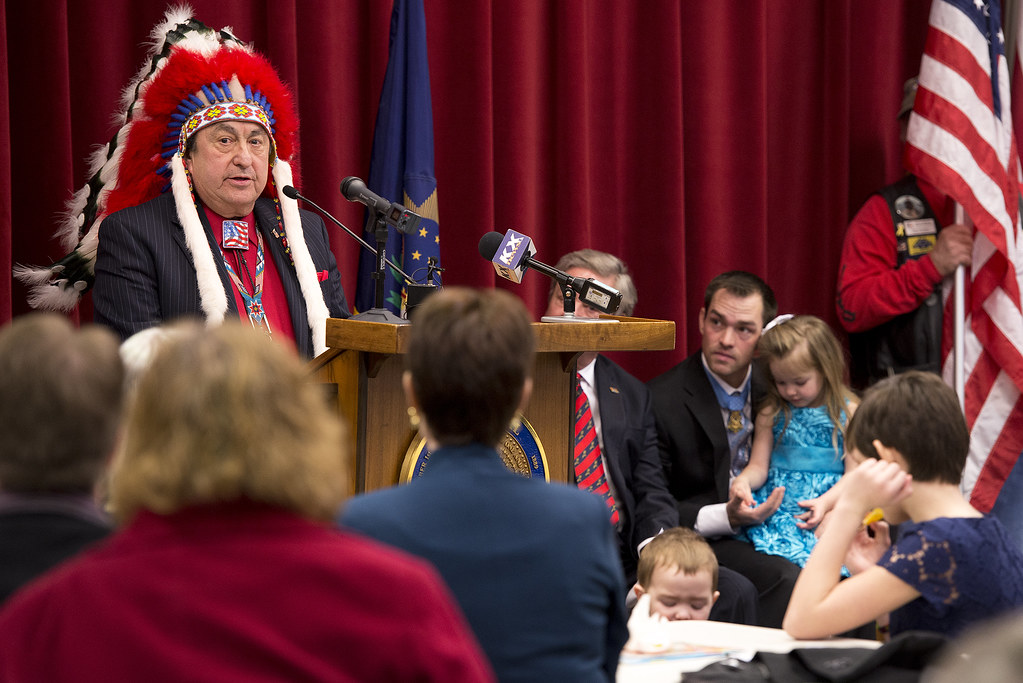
(401, 166)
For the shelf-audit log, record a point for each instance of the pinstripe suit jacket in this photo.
(145, 275)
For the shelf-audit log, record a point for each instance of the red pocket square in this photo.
(322, 275)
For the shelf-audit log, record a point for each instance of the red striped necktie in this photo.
(589, 466)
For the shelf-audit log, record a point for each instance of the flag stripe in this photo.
(945, 53)
(1000, 435)
(958, 26)
(964, 52)
(954, 132)
(936, 159)
(961, 140)
(978, 385)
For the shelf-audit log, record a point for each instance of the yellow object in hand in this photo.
(875, 515)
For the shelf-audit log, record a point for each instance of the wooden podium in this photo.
(362, 370)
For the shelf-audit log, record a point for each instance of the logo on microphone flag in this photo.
(508, 260)
(401, 165)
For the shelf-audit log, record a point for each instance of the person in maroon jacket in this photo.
(227, 567)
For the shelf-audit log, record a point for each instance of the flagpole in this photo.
(959, 304)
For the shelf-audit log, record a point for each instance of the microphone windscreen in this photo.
(346, 188)
(290, 192)
(489, 244)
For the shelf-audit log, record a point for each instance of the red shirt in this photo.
(275, 303)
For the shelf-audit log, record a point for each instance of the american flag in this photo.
(960, 139)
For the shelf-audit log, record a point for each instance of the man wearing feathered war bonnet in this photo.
(188, 193)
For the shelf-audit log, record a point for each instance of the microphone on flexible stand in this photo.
(393, 213)
(385, 213)
(291, 192)
(377, 314)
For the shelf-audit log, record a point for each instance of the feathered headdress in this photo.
(194, 76)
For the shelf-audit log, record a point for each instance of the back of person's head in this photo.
(469, 355)
(137, 351)
(610, 270)
(60, 404)
(742, 284)
(807, 341)
(223, 414)
(918, 415)
(678, 548)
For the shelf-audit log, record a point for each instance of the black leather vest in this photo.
(911, 341)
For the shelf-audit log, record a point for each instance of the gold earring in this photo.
(413, 418)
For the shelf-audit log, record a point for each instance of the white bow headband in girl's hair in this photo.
(784, 318)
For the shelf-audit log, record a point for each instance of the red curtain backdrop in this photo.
(687, 137)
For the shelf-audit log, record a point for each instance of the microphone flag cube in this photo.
(510, 259)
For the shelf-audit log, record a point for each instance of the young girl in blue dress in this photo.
(951, 565)
(798, 433)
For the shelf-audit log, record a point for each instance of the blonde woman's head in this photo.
(223, 414)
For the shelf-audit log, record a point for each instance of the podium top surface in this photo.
(622, 334)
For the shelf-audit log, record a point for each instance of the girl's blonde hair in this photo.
(819, 349)
(222, 414)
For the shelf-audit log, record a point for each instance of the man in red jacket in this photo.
(898, 250)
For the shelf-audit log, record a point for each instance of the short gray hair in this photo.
(610, 270)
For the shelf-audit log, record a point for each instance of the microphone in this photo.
(354, 190)
(513, 252)
(508, 253)
(292, 193)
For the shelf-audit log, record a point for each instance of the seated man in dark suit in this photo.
(703, 408)
(60, 403)
(627, 439)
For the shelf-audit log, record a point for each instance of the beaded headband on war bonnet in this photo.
(194, 77)
(223, 102)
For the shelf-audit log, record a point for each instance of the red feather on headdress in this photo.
(138, 179)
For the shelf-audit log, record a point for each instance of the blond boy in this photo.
(680, 573)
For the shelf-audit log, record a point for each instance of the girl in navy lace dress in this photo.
(797, 442)
(951, 565)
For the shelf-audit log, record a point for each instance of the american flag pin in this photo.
(236, 235)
